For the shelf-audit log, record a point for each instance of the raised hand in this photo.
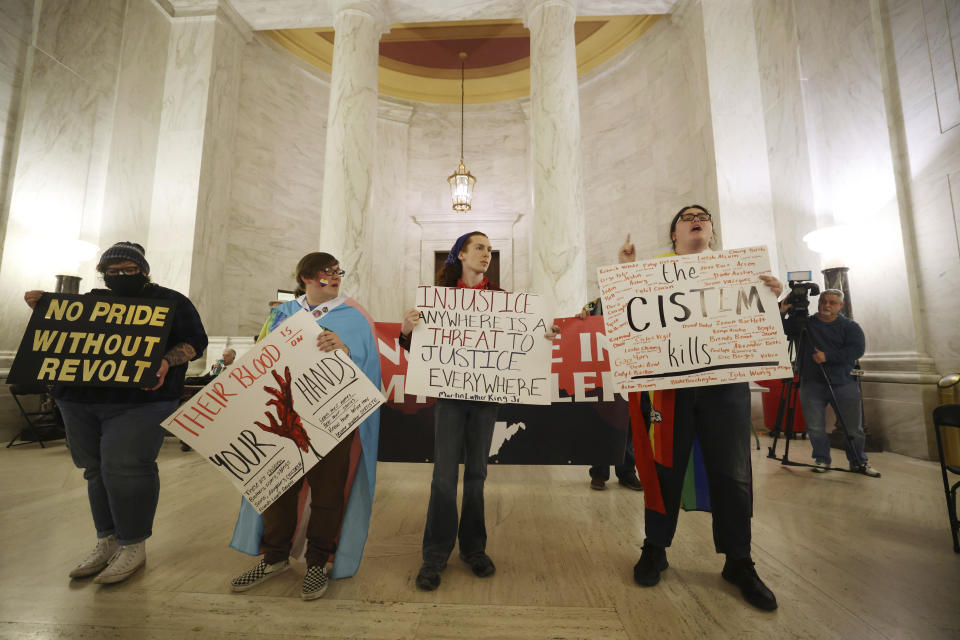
(628, 253)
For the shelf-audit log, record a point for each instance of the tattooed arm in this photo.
(179, 354)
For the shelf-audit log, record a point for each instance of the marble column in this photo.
(394, 250)
(739, 136)
(187, 237)
(351, 140)
(558, 244)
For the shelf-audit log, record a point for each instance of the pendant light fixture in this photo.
(461, 182)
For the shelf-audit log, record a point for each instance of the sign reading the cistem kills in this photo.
(693, 320)
(477, 344)
(272, 415)
(94, 341)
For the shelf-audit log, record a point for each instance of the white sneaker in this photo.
(124, 562)
(97, 559)
(253, 577)
(866, 470)
(821, 467)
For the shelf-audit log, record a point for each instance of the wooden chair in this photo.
(947, 416)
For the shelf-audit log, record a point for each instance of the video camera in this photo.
(800, 291)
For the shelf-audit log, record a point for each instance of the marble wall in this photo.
(129, 189)
(739, 135)
(16, 26)
(496, 151)
(784, 119)
(925, 60)
(394, 237)
(851, 108)
(273, 216)
(216, 175)
(922, 35)
(59, 171)
(647, 140)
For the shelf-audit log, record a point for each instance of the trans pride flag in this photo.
(353, 324)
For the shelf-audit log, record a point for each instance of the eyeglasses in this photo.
(127, 271)
(703, 216)
(334, 272)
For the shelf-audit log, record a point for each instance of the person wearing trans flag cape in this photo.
(331, 509)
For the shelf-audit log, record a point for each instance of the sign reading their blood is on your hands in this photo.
(272, 415)
(94, 341)
(477, 344)
(693, 320)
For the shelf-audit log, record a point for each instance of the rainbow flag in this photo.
(655, 446)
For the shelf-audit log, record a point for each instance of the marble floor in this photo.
(848, 557)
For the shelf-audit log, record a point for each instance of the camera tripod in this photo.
(786, 408)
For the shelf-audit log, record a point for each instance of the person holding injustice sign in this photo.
(718, 418)
(459, 426)
(337, 525)
(114, 434)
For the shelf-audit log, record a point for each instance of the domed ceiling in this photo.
(421, 61)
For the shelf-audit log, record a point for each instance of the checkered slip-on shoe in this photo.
(315, 582)
(253, 577)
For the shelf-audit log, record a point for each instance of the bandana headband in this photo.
(454, 254)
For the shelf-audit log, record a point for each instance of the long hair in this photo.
(449, 274)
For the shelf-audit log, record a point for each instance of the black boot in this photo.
(428, 578)
(740, 572)
(653, 560)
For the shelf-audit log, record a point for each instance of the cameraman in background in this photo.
(832, 345)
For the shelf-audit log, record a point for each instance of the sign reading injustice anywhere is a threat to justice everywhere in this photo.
(93, 340)
(273, 414)
(693, 320)
(584, 424)
(477, 344)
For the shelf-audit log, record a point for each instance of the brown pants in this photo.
(327, 479)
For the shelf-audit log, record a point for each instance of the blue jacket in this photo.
(841, 341)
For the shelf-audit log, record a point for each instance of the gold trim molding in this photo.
(489, 84)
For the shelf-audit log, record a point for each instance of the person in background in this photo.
(627, 470)
(226, 359)
(835, 343)
(114, 434)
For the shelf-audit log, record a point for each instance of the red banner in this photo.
(587, 422)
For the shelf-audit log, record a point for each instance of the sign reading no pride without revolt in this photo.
(282, 406)
(478, 344)
(95, 341)
(693, 320)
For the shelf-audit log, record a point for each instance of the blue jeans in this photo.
(459, 426)
(116, 445)
(814, 397)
